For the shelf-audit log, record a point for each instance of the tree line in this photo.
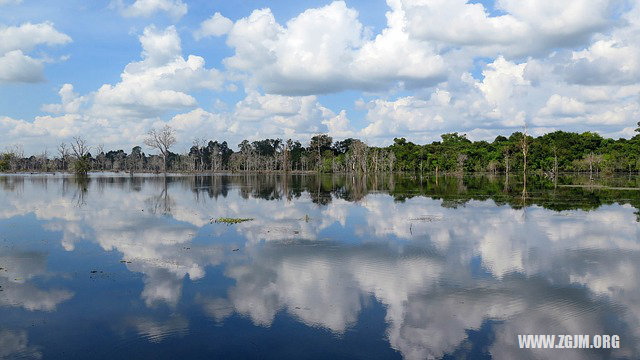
(548, 154)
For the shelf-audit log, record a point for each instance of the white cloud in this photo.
(70, 101)
(563, 106)
(216, 25)
(18, 67)
(280, 116)
(339, 126)
(404, 115)
(309, 57)
(532, 27)
(199, 123)
(7, 2)
(16, 41)
(27, 36)
(509, 95)
(414, 50)
(160, 47)
(160, 82)
(146, 8)
(557, 66)
(613, 59)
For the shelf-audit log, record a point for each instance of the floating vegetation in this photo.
(230, 221)
(427, 218)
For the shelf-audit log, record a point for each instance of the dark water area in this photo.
(329, 267)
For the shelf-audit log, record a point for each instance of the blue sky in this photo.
(369, 69)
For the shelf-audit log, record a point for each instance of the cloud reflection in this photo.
(15, 344)
(439, 272)
(17, 269)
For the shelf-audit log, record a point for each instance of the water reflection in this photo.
(17, 270)
(454, 266)
(14, 344)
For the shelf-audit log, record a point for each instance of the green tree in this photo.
(318, 144)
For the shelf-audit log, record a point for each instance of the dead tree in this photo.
(63, 150)
(161, 140)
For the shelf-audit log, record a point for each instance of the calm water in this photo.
(331, 267)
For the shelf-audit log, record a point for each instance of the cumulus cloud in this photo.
(508, 96)
(340, 126)
(308, 57)
(17, 41)
(18, 67)
(532, 27)
(278, 115)
(70, 101)
(435, 66)
(216, 25)
(611, 60)
(159, 82)
(563, 106)
(122, 113)
(27, 36)
(146, 8)
(199, 121)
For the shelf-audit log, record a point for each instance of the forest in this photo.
(549, 154)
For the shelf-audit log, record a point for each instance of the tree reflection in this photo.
(161, 203)
(81, 187)
(443, 257)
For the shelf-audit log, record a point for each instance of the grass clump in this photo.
(230, 221)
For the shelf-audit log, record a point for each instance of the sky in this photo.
(111, 70)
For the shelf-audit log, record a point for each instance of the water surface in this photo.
(329, 267)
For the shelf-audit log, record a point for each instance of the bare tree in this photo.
(63, 150)
(286, 163)
(16, 155)
(246, 151)
(524, 144)
(358, 155)
(492, 166)
(79, 147)
(507, 153)
(392, 160)
(555, 161)
(200, 145)
(80, 150)
(590, 159)
(161, 140)
(216, 157)
(101, 157)
(43, 161)
(461, 159)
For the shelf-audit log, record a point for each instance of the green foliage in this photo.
(5, 162)
(570, 151)
(82, 166)
(558, 151)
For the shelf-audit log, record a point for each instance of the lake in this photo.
(376, 267)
